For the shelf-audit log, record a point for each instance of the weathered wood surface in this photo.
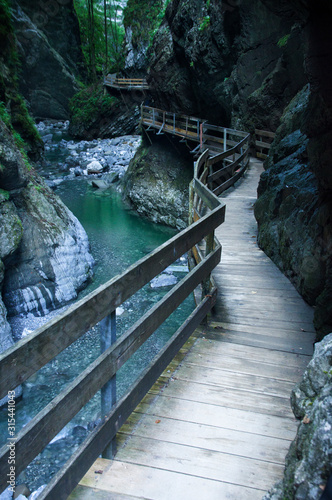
(218, 422)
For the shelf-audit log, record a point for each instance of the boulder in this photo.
(44, 248)
(157, 183)
(95, 167)
(309, 461)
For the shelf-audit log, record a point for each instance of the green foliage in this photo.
(6, 28)
(20, 143)
(4, 115)
(282, 42)
(99, 38)
(4, 194)
(205, 23)
(89, 103)
(144, 17)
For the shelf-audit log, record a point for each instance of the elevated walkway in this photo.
(217, 424)
(125, 83)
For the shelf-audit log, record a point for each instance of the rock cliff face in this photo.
(294, 206)
(234, 63)
(308, 463)
(44, 250)
(50, 55)
(157, 184)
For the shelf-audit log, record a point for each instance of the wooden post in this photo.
(108, 392)
(206, 286)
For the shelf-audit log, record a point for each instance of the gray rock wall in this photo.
(50, 55)
(224, 61)
(309, 461)
(44, 249)
(157, 184)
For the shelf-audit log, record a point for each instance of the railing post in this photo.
(108, 392)
(225, 139)
(206, 285)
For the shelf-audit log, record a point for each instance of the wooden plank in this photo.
(255, 318)
(245, 381)
(69, 476)
(152, 482)
(264, 145)
(46, 425)
(234, 397)
(265, 133)
(231, 181)
(205, 194)
(203, 413)
(199, 462)
(206, 437)
(31, 353)
(295, 345)
(255, 354)
(246, 366)
(86, 493)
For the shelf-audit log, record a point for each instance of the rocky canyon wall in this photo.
(50, 55)
(44, 251)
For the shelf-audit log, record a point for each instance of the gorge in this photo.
(247, 65)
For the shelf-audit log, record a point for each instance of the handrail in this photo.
(263, 142)
(228, 159)
(206, 213)
(125, 83)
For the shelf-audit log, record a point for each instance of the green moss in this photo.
(282, 42)
(144, 17)
(89, 103)
(4, 194)
(205, 23)
(13, 110)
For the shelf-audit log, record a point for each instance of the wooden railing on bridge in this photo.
(126, 83)
(228, 149)
(29, 354)
(263, 143)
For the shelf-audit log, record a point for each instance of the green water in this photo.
(118, 237)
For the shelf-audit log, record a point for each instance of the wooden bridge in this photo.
(125, 83)
(211, 419)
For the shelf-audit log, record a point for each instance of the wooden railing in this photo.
(126, 83)
(19, 362)
(228, 149)
(263, 143)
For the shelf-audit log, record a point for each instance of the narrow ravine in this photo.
(118, 237)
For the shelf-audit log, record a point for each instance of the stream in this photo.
(118, 237)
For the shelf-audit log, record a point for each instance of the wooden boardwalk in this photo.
(218, 424)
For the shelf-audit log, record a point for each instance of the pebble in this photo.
(87, 158)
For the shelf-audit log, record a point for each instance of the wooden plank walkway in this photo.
(218, 424)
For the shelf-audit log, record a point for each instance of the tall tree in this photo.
(106, 36)
(91, 40)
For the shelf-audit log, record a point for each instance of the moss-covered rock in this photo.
(96, 114)
(157, 184)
